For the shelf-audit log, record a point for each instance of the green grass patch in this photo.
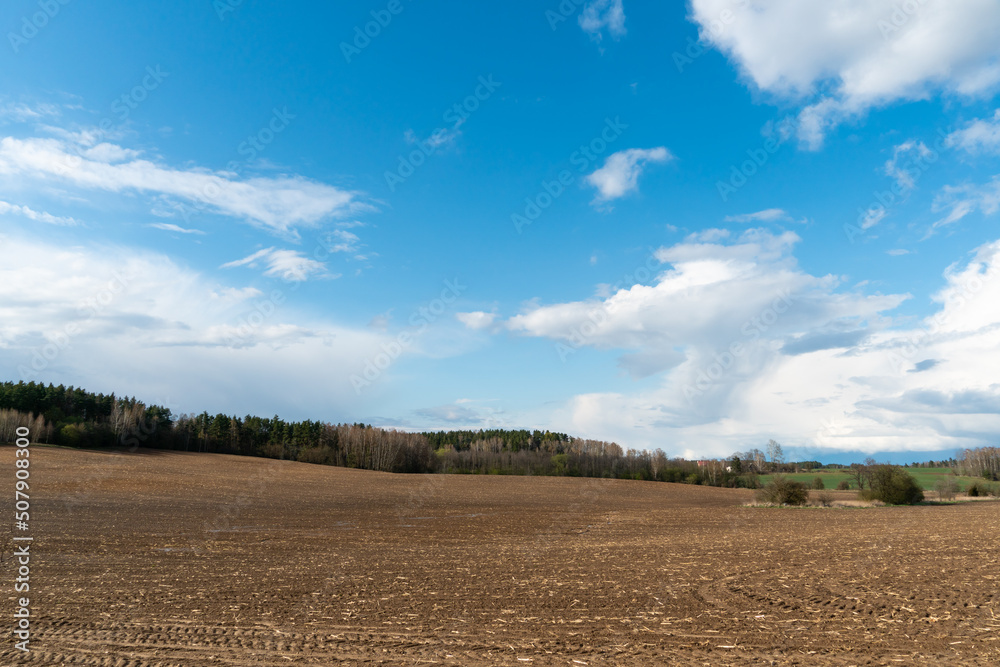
(926, 478)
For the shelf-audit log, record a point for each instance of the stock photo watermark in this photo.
(223, 7)
(22, 542)
(122, 107)
(419, 320)
(740, 174)
(582, 158)
(957, 299)
(32, 24)
(905, 178)
(455, 116)
(88, 310)
(363, 35)
(250, 148)
(597, 317)
(751, 330)
(716, 28)
(901, 14)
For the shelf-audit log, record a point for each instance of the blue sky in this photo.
(693, 227)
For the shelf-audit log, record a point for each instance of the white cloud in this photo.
(123, 319)
(962, 200)
(909, 160)
(463, 413)
(873, 216)
(110, 153)
(20, 112)
(279, 204)
(620, 174)
(816, 367)
(767, 215)
(708, 236)
(37, 216)
(843, 57)
(703, 302)
(289, 265)
(979, 136)
(897, 252)
(168, 227)
(600, 14)
(340, 240)
(477, 319)
(440, 137)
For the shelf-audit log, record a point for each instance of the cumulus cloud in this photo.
(843, 57)
(476, 319)
(620, 174)
(289, 265)
(600, 14)
(710, 294)
(748, 347)
(279, 204)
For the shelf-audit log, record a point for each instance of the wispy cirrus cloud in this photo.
(170, 227)
(20, 112)
(767, 215)
(37, 216)
(599, 15)
(279, 204)
(903, 156)
(981, 136)
(289, 265)
(961, 200)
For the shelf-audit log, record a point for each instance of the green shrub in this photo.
(818, 483)
(892, 485)
(977, 489)
(844, 485)
(783, 491)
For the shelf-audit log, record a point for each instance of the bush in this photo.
(783, 491)
(844, 485)
(892, 485)
(977, 489)
(946, 488)
(824, 498)
(818, 483)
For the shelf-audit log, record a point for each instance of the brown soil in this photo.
(194, 559)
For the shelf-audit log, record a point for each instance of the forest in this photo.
(74, 417)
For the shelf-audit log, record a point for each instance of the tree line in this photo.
(74, 417)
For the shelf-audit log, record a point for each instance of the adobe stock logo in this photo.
(752, 329)
(419, 321)
(37, 21)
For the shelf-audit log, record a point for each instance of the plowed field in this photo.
(196, 559)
